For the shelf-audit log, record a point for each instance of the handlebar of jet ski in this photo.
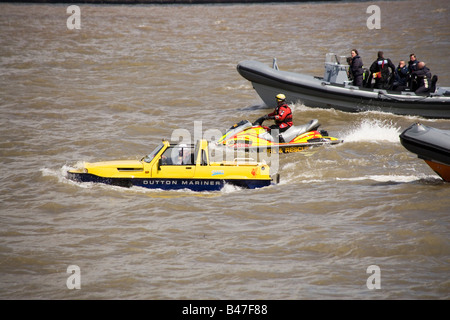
(259, 121)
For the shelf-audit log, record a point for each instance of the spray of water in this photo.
(373, 130)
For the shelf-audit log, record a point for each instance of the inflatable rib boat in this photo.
(334, 90)
(431, 145)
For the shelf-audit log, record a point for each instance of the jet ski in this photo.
(254, 136)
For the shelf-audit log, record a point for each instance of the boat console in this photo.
(335, 69)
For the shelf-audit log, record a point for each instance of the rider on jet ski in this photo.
(282, 115)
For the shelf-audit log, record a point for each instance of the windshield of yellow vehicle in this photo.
(148, 158)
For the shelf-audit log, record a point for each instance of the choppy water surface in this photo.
(131, 76)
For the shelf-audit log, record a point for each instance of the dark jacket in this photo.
(423, 79)
(356, 67)
(380, 70)
(401, 76)
(412, 65)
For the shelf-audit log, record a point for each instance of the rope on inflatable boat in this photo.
(380, 93)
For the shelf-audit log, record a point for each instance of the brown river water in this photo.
(131, 76)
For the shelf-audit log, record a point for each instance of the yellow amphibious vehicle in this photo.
(176, 166)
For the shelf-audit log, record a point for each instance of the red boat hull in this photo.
(441, 169)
